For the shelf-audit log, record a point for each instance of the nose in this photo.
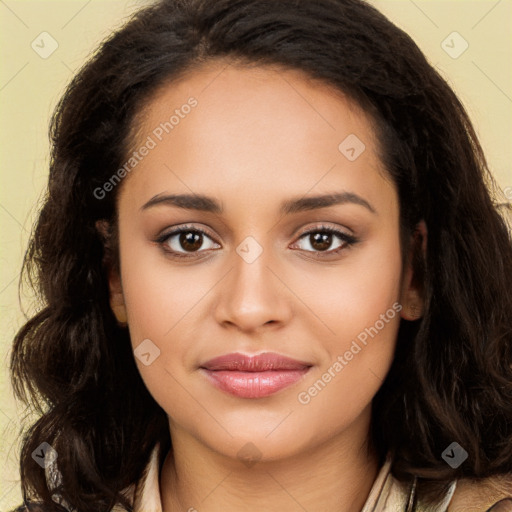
(254, 295)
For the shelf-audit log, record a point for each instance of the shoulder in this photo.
(494, 493)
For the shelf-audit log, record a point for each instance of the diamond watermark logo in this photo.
(44, 455)
(454, 45)
(147, 352)
(249, 250)
(44, 45)
(249, 454)
(352, 147)
(454, 455)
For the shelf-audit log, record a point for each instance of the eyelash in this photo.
(348, 240)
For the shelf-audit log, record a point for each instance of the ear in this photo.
(412, 293)
(114, 279)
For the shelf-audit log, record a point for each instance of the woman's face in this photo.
(263, 161)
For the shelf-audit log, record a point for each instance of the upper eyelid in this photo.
(322, 227)
(176, 230)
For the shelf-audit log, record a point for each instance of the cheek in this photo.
(357, 360)
(160, 302)
(360, 316)
(158, 294)
(166, 304)
(347, 298)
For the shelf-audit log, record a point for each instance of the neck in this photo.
(335, 476)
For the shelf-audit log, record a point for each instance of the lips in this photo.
(253, 376)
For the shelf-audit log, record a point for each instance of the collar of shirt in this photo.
(386, 495)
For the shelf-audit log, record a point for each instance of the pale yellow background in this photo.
(30, 87)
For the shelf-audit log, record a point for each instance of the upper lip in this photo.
(267, 361)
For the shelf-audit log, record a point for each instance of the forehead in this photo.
(254, 130)
(261, 96)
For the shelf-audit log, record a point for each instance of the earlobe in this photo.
(120, 314)
(117, 298)
(412, 310)
(114, 281)
(412, 296)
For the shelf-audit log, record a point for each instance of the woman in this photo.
(273, 276)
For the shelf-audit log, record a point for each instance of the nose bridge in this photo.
(252, 294)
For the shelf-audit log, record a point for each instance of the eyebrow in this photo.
(208, 204)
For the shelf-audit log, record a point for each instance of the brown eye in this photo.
(320, 241)
(186, 240)
(322, 238)
(190, 240)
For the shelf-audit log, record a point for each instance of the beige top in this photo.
(386, 495)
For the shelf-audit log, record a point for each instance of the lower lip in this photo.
(253, 384)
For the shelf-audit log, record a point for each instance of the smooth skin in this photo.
(257, 138)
